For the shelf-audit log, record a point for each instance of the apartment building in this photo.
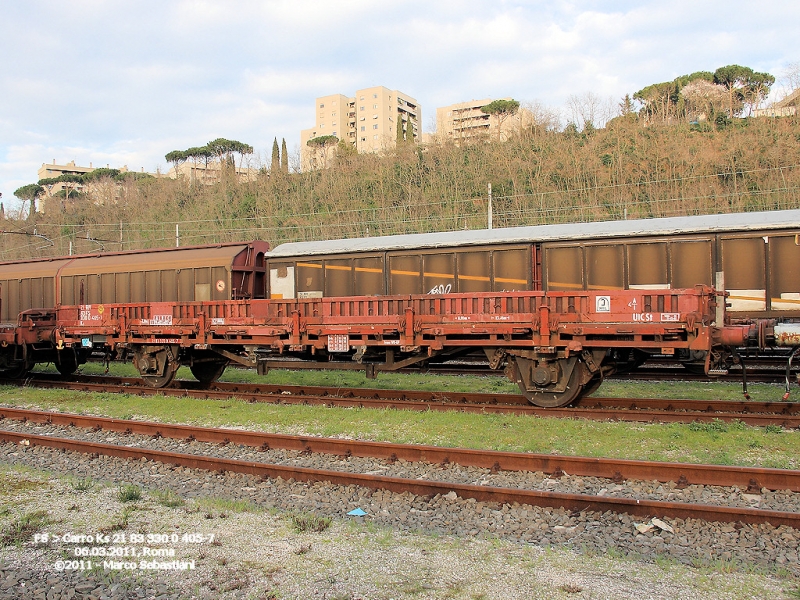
(367, 121)
(101, 191)
(208, 173)
(51, 171)
(783, 108)
(465, 122)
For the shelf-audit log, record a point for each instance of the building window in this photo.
(362, 108)
(362, 97)
(363, 139)
(374, 106)
(374, 116)
(375, 126)
(374, 95)
(375, 137)
(334, 133)
(363, 128)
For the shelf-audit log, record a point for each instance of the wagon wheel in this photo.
(591, 387)
(66, 362)
(548, 396)
(16, 371)
(207, 372)
(156, 364)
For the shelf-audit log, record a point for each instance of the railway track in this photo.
(784, 414)
(749, 478)
(765, 368)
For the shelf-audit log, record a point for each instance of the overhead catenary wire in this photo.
(468, 212)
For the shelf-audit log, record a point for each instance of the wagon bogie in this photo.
(550, 383)
(157, 364)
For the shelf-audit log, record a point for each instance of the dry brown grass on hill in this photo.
(537, 177)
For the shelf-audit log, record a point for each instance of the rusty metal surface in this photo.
(168, 250)
(774, 479)
(577, 320)
(32, 269)
(575, 502)
(174, 258)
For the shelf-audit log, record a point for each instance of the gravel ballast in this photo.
(465, 528)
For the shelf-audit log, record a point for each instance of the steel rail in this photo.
(449, 397)
(752, 478)
(641, 410)
(574, 502)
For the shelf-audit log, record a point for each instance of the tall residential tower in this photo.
(368, 122)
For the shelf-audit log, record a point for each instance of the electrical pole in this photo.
(490, 206)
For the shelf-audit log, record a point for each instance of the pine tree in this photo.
(284, 156)
(276, 156)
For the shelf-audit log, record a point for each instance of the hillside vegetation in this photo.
(627, 169)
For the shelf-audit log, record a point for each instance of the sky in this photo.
(123, 83)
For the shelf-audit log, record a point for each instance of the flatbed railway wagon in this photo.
(555, 345)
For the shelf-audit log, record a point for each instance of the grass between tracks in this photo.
(716, 442)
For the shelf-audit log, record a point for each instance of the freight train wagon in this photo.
(31, 290)
(758, 253)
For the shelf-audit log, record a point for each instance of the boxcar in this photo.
(758, 253)
(34, 289)
(218, 272)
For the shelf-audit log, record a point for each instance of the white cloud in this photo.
(125, 83)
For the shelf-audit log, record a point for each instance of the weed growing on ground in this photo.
(22, 529)
(225, 504)
(83, 484)
(129, 493)
(715, 426)
(167, 498)
(571, 588)
(307, 522)
(11, 485)
(121, 522)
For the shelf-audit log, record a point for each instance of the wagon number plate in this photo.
(338, 342)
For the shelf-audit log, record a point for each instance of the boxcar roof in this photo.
(149, 261)
(751, 221)
(27, 270)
